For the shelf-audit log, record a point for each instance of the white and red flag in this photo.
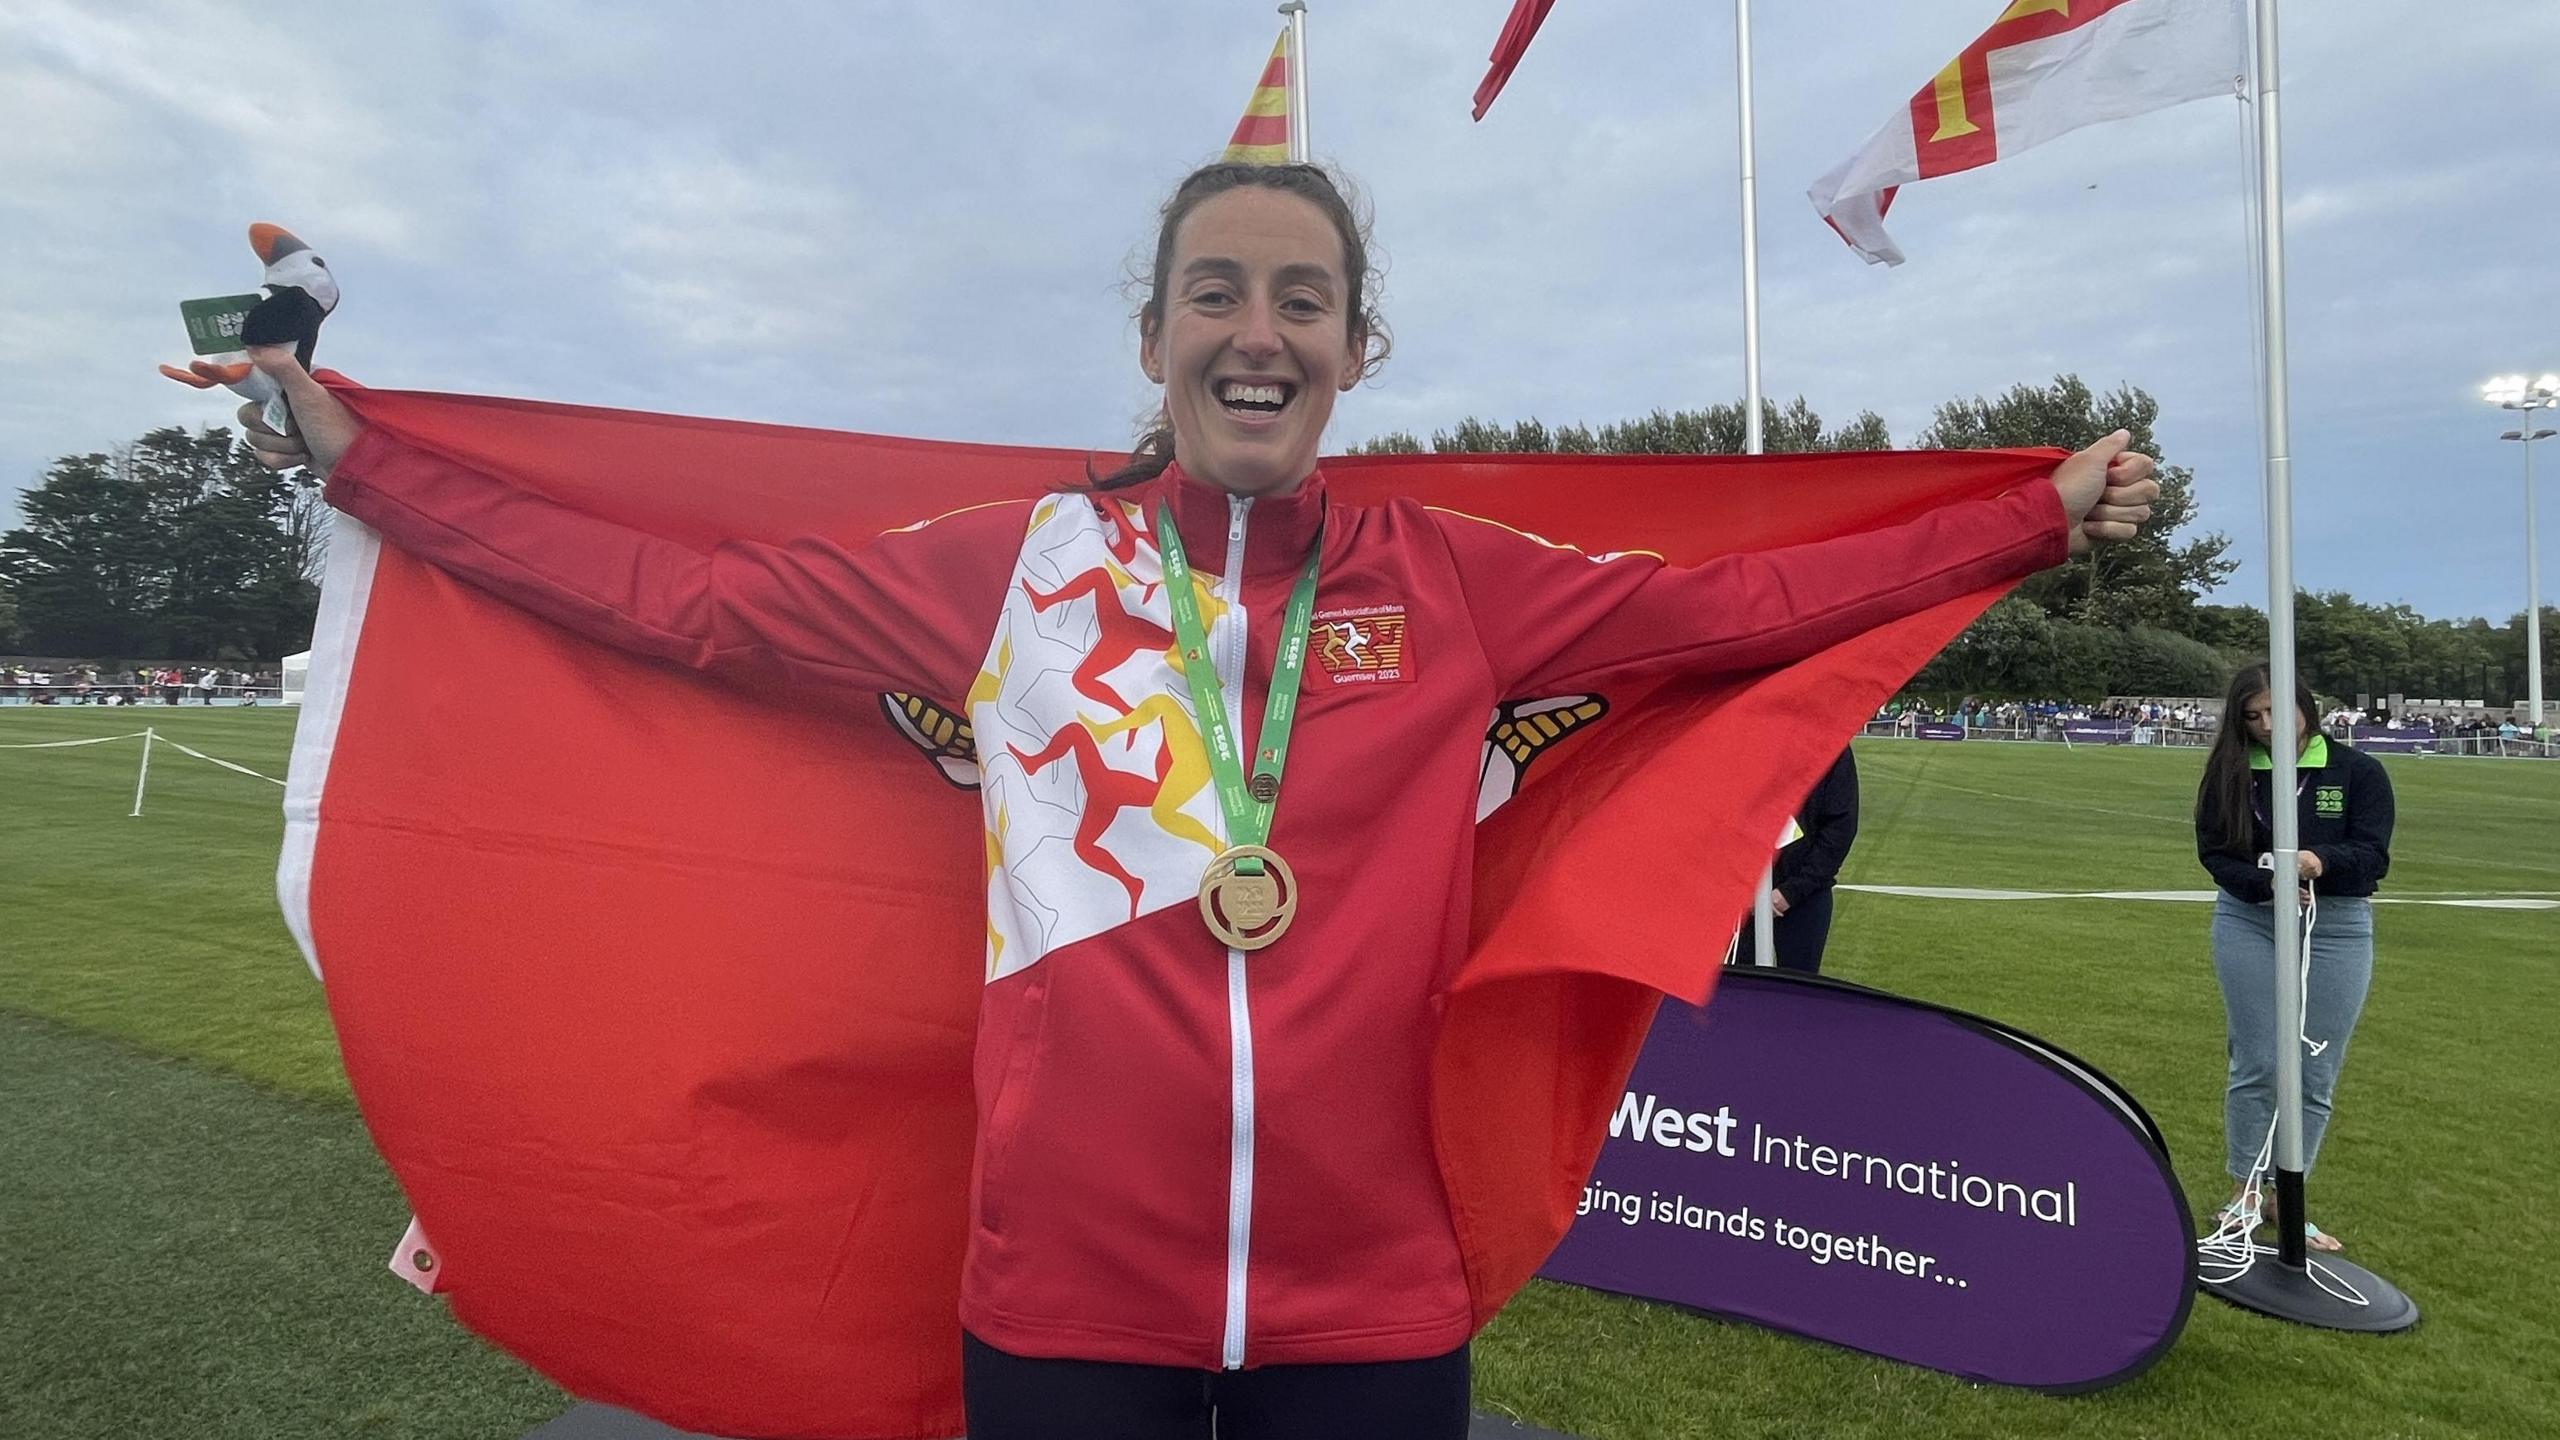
(659, 997)
(2043, 68)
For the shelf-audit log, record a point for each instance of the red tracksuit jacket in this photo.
(1188, 1155)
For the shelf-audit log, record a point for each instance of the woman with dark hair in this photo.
(2342, 799)
(1205, 1191)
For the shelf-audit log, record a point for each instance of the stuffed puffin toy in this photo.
(300, 294)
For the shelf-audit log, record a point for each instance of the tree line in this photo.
(179, 546)
(2134, 619)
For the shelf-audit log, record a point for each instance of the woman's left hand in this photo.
(2309, 864)
(2107, 492)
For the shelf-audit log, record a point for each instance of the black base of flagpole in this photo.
(2292, 1247)
(2274, 1288)
(2310, 1287)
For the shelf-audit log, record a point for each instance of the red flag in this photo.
(1517, 31)
(657, 996)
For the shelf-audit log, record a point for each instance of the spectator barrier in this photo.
(2077, 730)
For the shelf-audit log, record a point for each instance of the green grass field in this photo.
(192, 1227)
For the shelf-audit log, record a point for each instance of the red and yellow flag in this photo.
(2043, 68)
(1262, 135)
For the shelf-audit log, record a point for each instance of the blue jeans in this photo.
(2244, 947)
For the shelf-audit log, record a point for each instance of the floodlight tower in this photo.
(2515, 392)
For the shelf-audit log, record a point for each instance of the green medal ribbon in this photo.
(1247, 804)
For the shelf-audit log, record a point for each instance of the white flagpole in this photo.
(1753, 442)
(1301, 140)
(1764, 914)
(2333, 1291)
(2284, 723)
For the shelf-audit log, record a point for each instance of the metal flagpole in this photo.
(2329, 1292)
(1753, 442)
(1764, 914)
(2285, 724)
(2532, 588)
(1301, 145)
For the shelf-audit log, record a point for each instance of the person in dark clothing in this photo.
(2344, 805)
(1807, 868)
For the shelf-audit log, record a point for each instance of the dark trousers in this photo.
(1012, 1397)
(1800, 935)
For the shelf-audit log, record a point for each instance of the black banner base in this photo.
(2271, 1287)
(604, 1422)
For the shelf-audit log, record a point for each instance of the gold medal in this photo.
(1247, 912)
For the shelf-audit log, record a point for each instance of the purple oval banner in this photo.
(1890, 1176)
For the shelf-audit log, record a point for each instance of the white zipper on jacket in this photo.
(1230, 659)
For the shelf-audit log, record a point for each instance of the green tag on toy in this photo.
(213, 325)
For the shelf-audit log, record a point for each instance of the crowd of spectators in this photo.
(2041, 719)
(2191, 721)
(89, 684)
(2474, 734)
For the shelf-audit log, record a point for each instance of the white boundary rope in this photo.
(2470, 900)
(150, 737)
(215, 760)
(67, 744)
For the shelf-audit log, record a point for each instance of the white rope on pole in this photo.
(2231, 1250)
(218, 760)
(2249, 244)
(145, 776)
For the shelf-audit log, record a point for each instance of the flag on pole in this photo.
(2043, 68)
(1262, 135)
(1509, 46)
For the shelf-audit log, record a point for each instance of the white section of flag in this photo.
(2142, 55)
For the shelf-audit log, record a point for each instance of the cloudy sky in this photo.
(915, 217)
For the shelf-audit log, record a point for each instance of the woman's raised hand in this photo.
(2107, 492)
(325, 427)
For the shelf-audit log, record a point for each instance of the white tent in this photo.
(297, 674)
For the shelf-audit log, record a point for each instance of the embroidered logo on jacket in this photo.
(2329, 800)
(1362, 645)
